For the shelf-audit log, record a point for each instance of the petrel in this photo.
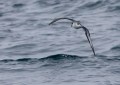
(77, 25)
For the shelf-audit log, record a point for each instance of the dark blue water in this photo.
(34, 53)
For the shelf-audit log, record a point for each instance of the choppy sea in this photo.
(34, 53)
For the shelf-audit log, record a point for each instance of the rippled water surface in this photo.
(34, 53)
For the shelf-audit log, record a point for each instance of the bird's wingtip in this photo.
(50, 23)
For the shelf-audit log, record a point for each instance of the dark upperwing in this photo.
(87, 33)
(60, 19)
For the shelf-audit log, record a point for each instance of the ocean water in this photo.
(34, 53)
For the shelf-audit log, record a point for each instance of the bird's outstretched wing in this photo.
(87, 33)
(60, 19)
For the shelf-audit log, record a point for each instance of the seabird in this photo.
(77, 25)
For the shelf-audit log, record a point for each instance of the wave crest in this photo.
(56, 57)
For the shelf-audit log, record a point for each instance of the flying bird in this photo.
(77, 25)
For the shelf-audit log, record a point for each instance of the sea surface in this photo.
(35, 53)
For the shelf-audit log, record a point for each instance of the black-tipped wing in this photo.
(60, 19)
(87, 33)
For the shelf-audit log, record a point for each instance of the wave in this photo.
(53, 2)
(117, 48)
(56, 57)
(18, 5)
(106, 5)
(114, 8)
(96, 4)
(22, 46)
(1, 14)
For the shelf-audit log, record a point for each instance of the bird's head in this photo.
(76, 25)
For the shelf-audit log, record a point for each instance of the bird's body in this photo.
(77, 25)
